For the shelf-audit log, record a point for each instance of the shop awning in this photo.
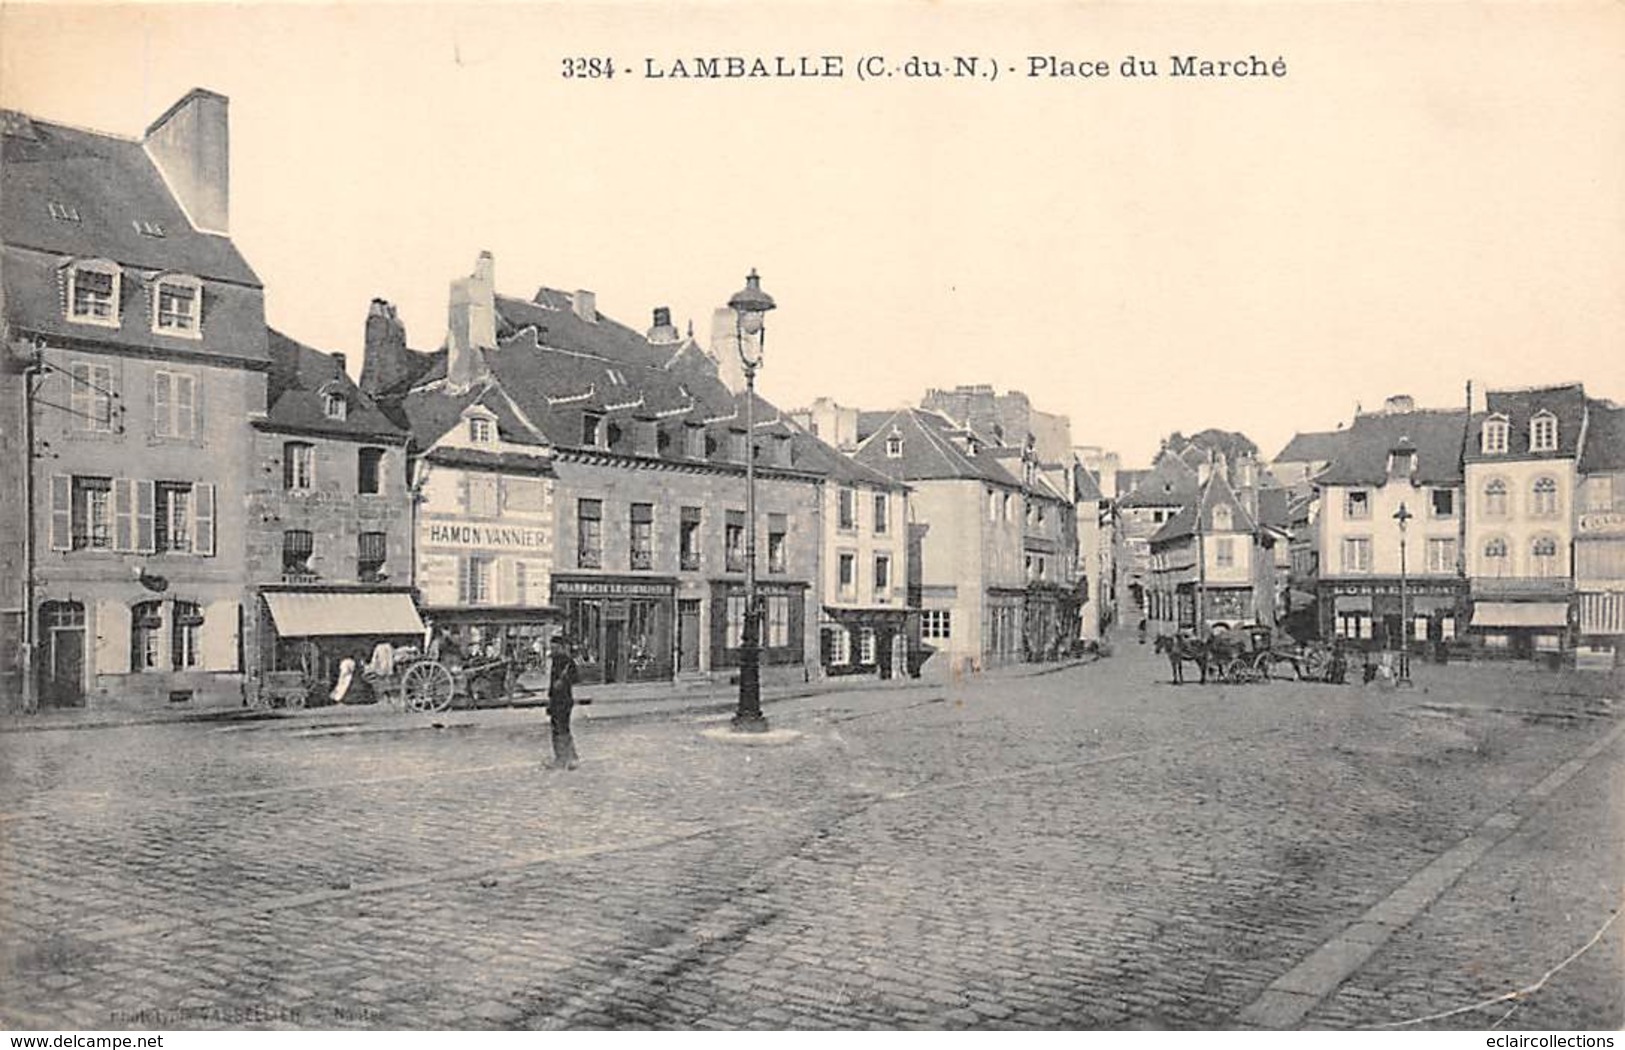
(1352, 603)
(305, 615)
(1520, 614)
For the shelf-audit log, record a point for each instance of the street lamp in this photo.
(750, 306)
(1403, 516)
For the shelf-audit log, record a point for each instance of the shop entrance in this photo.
(63, 624)
(688, 634)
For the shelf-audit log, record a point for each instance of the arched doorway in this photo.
(62, 667)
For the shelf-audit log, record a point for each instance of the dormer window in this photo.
(1402, 462)
(1543, 432)
(1222, 520)
(335, 407)
(1493, 440)
(481, 430)
(93, 291)
(694, 442)
(592, 430)
(894, 445)
(175, 303)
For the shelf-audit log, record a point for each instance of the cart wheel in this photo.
(1236, 670)
(295, 700)
(1314, 665)
(426, 687)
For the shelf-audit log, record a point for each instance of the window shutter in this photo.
(198, 423)
(123, 514)
(507, 582)
(185, 406)
(218, 637)
(520, 582)
(463, 493)
(203, 519)
(160, 404)
(144, 507)
(463, 585)
(61, 512)
(112, 637)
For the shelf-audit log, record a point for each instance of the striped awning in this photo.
(306, 615)
(1521, 614)
(1602, 613)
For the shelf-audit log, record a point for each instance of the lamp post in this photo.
(750, 306)
(1403, 516)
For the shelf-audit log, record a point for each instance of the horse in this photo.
(1182, 647)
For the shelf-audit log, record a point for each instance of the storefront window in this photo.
(584, 630)
(184, 635)
(146, 623)
(778, 621)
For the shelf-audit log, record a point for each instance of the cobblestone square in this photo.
(1085, 848)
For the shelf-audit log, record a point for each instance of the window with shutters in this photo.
(297, 547)
(1543, 498)
(298, 466)
(369, 471)
(176, 307)
(90, 397)
(186, 624)
(146, 636)
(172, 519)
(589, 534)
(93, 293)
(1356, 554)
(733, 541)
(371, 553)
(688, 539)
(778, 527)
(475, 580)
(642, 550)
(484, 495)
(174, 404)
(92, 513)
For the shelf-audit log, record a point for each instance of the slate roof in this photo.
(929, 451)
(1169, 483)
(1566, 401)
(1217, 491)
(1320, 446)
(111, 183)
(1087, 485)
(1275, 507)
(1605, 439)
(296, 387)
(1363, 458)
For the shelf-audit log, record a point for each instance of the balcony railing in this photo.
(689, 561)
(642, 559)
(1521, 586)
(589, 558)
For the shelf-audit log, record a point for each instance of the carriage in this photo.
(406, 677)
(1259, 658)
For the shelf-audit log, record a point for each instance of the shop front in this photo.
(1373, 614)
(1049, 621)
(494, 632)
(864, 641)
(306, 634)
(783, 607)
(1521, 629)
(622, 627)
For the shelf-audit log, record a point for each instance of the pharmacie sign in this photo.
(499, 537)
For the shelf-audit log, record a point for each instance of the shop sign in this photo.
(1603, 522)
(1445, 589)
(502, 537)
(612, 588)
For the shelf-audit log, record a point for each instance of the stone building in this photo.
(329, 521)
(1400, 456)
(1213, 563)
(1599, 538)
(640, 550)
(145, 329)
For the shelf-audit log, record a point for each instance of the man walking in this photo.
(561, 701)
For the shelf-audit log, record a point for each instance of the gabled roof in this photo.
(1567, 402)
(433, 412)
(297, 386)
(1086, 484)
(1217, 492)
(1319, 446)
(111, 183)
(929, 452)
(1436, 436)
(1169, 483)
(1605, 439)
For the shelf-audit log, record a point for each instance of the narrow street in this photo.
(1086, 848)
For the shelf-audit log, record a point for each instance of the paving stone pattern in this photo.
(1091, 848)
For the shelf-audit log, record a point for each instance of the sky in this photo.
(1432, 194)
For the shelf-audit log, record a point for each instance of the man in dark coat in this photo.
(561, 701)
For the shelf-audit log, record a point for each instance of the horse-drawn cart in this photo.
(420, 683)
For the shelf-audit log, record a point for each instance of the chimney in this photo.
(725, 348)
(1399, 403)
(664, 333)
(338, 365)
(586, 306)
(384, 360)
(190, 146)
(471, 324)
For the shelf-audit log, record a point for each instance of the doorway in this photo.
(613, 671)
(63, 624)
(688, 634)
